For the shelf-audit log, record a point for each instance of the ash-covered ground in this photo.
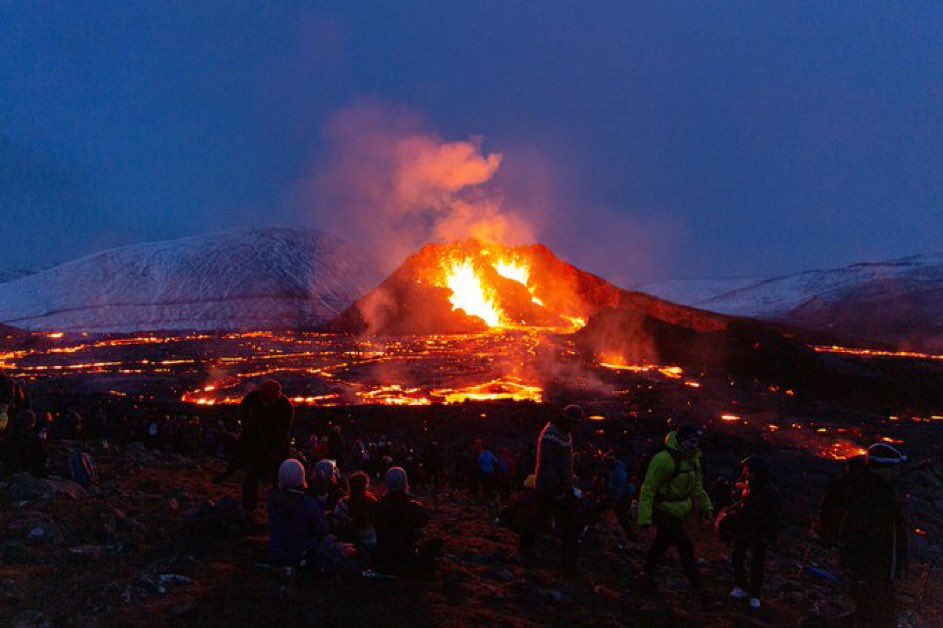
(101, 553)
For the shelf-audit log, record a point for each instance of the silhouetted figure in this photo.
(24, 450)
(264, 442)
(399, 521)
(355, 513)
(337, 448)
(862, 516)
(754, 520)
(554, 485)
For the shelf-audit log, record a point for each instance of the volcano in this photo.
(471, 286)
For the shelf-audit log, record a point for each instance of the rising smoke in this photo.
(391, 185)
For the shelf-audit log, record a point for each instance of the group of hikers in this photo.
(323, 517)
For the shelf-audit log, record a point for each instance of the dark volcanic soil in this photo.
(102, 553)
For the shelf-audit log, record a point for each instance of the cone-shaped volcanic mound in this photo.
(471, 286)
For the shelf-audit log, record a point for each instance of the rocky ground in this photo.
(129, 552)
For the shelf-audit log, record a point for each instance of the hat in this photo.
(573, 413)
(687, 431)
(396, 479)
(291, 475)
(270, 389)
(326, 469)
(880, 455)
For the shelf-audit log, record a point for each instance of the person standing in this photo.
(754, 521)
(554, 484)
(264, 441)
(672, 486)
(861, 514)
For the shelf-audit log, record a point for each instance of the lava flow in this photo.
(471, 286)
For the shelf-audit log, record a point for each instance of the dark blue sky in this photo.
(725, 138)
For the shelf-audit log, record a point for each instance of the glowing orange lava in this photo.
(468, 294)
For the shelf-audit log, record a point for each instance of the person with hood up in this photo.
(672, 486)
(753, 522)
(861, 514)
(554, 483)
(299, 529)
(399, 520)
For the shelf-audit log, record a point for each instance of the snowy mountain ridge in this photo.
(898, 301)
(240, 279)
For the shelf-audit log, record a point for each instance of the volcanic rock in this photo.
(415, 299)
(26, 487)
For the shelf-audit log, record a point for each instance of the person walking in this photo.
(672, 486)
(753, 521)
(556, 499)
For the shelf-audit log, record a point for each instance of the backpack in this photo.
(646, 460)
(82, 469)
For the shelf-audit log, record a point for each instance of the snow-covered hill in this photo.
(899, 301)
(242, 279)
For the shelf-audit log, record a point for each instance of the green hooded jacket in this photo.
(676, 496)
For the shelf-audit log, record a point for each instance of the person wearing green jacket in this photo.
(672, 486)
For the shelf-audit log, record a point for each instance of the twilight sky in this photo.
(643, 141)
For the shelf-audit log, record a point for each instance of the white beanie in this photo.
(291, 475)
(325, 469)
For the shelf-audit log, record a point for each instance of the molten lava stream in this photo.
(468, 294)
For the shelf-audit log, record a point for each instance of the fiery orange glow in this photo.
(841, 450)
(577, 322)
(615, 364)
(877, 353)
(55, 335)
(513, 270)
(505, 388)
(468, 294)
(730, 418)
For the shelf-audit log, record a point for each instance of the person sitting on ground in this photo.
(24, 450)
(672, 485)
(299, 529)
(325, 486)
(753, 521)
(355, 512)
(399, 522)
(861, 514)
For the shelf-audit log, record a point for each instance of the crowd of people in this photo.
(322, 515)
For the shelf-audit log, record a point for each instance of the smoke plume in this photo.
(391, 185)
